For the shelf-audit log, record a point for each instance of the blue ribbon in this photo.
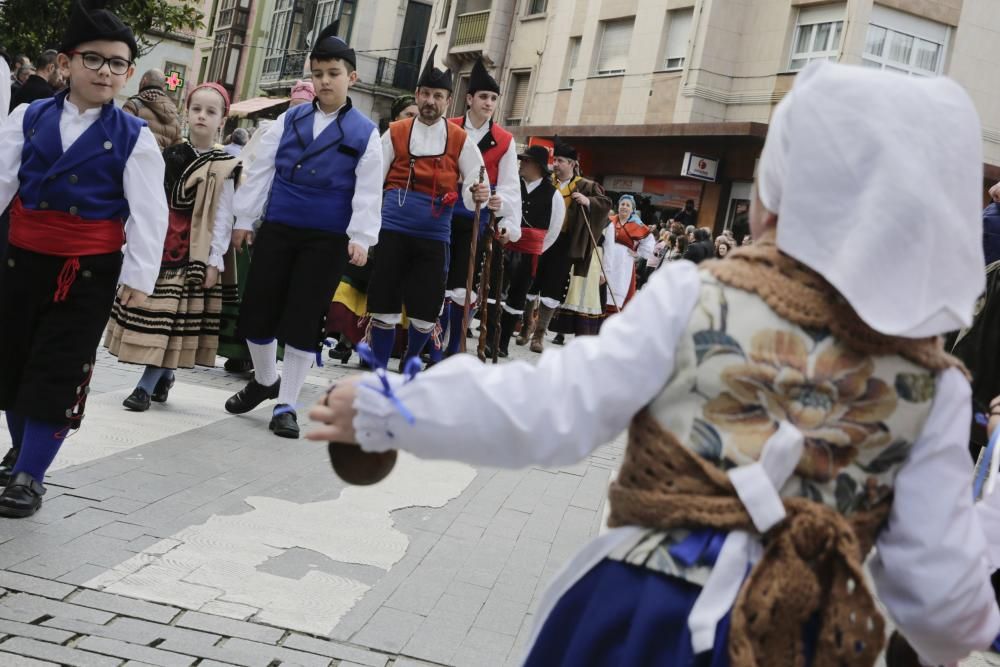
(319, 353)
(410, 370)
(977, 485)
(701, 547)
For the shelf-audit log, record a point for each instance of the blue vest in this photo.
(314, 178)
(416, 217)
(86, 180)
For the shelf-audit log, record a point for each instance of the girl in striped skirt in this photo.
(178, 325)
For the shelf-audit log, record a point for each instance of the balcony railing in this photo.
(287, 66)
(470, 28)
(396, 74)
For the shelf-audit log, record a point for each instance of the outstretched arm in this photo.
(519, 414)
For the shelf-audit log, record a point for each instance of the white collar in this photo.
(469, 125)
(332, 114)
(530, 186)
(76, 113)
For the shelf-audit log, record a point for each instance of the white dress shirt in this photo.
(508, 184)
(555, 218)
(146, 227)
(930, 569)
(433, 140)
(5, 90)
(366, 204)
(222, 230)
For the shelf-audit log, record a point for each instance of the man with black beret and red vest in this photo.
(425, 159)
(500, 156)
(316, 184)
(81, 176)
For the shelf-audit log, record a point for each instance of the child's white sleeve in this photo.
(553, 413)
(222, 226)
(11, 147)
(931, 568)
(146, 228)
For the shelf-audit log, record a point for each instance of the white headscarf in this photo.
(876, 179)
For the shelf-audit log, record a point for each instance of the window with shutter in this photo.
(518, 97)
(612, 58)
(818, 33)
(905, 43)
(678, 34)
(572, 56)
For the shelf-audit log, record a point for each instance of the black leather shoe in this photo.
(7, 466)
(138, 400)
(238, 365)
(285, 424)
(162, 389)
(560, 339)
(250, 396)
(22, 497)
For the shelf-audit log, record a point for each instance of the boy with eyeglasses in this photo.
(81, 176)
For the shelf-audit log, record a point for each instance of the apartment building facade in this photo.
(670, 99)
(259, 49)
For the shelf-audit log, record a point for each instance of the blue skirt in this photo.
(622, 614)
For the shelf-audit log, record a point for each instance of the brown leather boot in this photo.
(541, 326)
(527, 318)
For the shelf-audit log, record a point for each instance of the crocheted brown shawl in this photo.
(800, 295)
(813, 559)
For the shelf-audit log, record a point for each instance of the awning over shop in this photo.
(255, 104)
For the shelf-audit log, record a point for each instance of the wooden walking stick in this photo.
(593, 240)
(471, 276)
(496, 329)
(484, 287)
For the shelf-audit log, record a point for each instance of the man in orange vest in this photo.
(424, 159)
(500, 155)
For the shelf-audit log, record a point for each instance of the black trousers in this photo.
(461, 247)
(410, 272)
(519, 278)
(292, 279)
(554, 266)
(47, 349)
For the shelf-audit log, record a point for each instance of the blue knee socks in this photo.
(15, 424)
(150, 377)
(39, 445)
(456, 332)
(381, 341)
(415, 342)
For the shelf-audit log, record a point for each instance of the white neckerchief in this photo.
(73, 123)
(872, 188)
(476, 134)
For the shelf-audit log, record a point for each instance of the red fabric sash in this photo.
(530, 243)
(63, 235)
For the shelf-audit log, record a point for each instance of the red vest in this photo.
(493, 146)
(434, 175)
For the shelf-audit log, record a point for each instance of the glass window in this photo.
(904, 43)
(678, 36)
(818, 33)
(616, 37)
(537, 7)
(572, 56)
(518, 98)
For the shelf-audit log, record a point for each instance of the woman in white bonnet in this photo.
(789, 409)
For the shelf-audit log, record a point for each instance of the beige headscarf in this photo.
(876, 179)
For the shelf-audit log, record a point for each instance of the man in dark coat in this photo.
(40, 85)
(702, 248)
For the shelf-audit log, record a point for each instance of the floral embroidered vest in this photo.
(741, 369)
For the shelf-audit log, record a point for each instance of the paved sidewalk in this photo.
(185, 535)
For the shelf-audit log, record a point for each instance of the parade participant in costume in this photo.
(542, 213)
(626, 241)
(424, 160)
(81, 176)
(231, 346)
(783, 414)
(315, 183)
(350, 302)
(178, 325)
(500, 156)
(574, 252)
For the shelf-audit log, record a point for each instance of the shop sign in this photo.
(700, 167)
(624, 183)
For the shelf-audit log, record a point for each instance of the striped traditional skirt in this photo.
(581, 312)
(176, 327)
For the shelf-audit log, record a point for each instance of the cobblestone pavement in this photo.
(186, 536)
